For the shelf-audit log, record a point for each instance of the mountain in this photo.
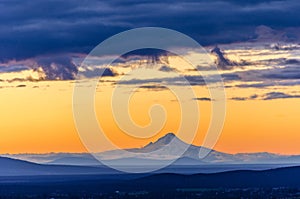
(165, 148)
(282, 177)
(56, 158)
(13, 167)
(162, 142)
(154, 154)
(78, 161)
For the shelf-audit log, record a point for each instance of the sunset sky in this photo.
(37, 115)
(41, 56)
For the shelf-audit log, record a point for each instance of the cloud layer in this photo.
(32, 28)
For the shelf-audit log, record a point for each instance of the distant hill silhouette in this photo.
(281, 177)
(160, 183)
(13, 167)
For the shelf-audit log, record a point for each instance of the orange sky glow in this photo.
(40, 119)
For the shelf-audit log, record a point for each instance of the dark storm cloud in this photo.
(31, 28)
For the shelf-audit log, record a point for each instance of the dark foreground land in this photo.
(275, 183)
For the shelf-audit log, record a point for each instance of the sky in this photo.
(41, 55)
(78, 26)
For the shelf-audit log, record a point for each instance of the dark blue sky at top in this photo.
(37, 27)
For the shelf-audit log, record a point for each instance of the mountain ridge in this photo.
(16, 167)
(160, 150)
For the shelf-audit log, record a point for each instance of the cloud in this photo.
(167, 69)
(58, 67)
(96, 72)
(290, 72)
(21, 86)
(192, 80)
(149, 53)
(252, 97)
(154, 87)
(29, 79)
(239, 98)
(281, 72)
(222, 61)
(13, 68)
(27, 30)
(291, 61)
(50, 67)
(230, 77)
(278, 95)
(202, 99)
(267, 96)
(268, 83)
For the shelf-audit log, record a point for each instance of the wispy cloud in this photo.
(255, 96)
(278, 95)
(266, 96)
